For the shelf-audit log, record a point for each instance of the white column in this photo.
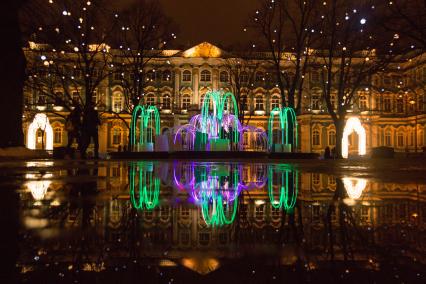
(195, 81)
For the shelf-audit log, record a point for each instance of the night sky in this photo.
(219, 22)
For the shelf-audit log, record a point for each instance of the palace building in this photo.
(391, 107)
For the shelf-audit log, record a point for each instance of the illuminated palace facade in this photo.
(391, 109)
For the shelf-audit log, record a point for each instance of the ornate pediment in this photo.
(205, 50)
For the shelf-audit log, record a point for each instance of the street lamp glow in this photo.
(363, 21)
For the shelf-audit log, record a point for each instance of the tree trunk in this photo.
(339, 124)
(12, 76)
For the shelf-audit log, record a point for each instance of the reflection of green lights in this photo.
(288, 186)
(149, 119)
(288, 125)
(149, 186)
(215, 209)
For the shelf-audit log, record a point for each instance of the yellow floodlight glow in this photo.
(354, 186)
(40, 121)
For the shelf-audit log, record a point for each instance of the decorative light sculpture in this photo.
(287, 184)
(142, 174)
(40, 121)
(288, 126)
(217, 126)
(38, 187)
(149, 119)
(354, 124)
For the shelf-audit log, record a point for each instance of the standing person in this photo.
(73, 126)
(327, 153)
(91, 122)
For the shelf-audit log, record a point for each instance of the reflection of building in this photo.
(392, 110)
(388, 214)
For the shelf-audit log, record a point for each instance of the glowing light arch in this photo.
(149, 186)
(288, 186)
(354, 124)
(149, 119)
(287, 123)
(40, 121)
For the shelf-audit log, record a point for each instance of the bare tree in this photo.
(406, 18)
(242, 69)
(286, 28)
(144, 32)
(351, 52)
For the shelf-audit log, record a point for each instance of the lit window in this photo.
(388, 140)
(362, 102)
(275, 102)
(117, 102)
(224, 77)
(316, 179)
(331, 138)
(186, 101)
(186, 76)
(387, 104)
(206, 76)
(116, 136)
(57, 138)
(150, 100)
(315, 102)
(166, 102)
(400, 139)
(316, 138)
(259, 103)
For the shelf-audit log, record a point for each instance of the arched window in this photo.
(206, 76)
(243, 77)
(186, 101)
(259, 76)
(166, 101)
(400, 104)
(315, 102)
(117, 102)
(259, 105)
(150, 99)
(166, 76)
(387, 104)
(186, 76)
(57, 135)
(388, 138)
(316, 138)
(331, 138)
(116, 136)
(400, 139)
(223, 77)
(275, 102)
(362, 102)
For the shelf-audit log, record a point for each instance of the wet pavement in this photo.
(196, 221)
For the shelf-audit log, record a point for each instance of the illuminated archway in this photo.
(40, 121)
(354, 124)
(354, 186)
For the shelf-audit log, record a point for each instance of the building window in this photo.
(206, 76)
(388, 141)
(362, 102)
(316, 179)
(223, 77)
(400, 139)
(399, 105)
(259, 212)
(331, 138)
(259, 77)
(316, 138)
(166, 76)
(387, 104)
(150, 100)
(243, 77)
(57, 139)
(259, 103)
(275, 102)
(186, 101)
(186, 76)
(95, 97)
(116, 136)
(150, 76)
(117, 102)
(244, 103)
(204, 238)
(315, 102)
(166, 102)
